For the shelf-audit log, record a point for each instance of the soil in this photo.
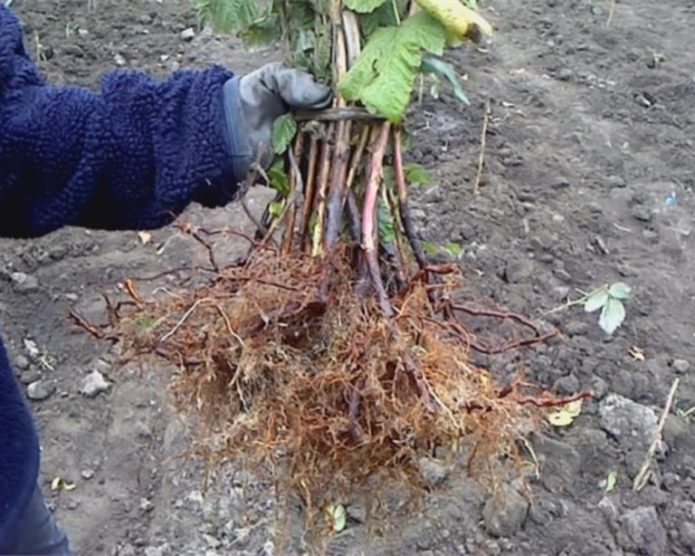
(588, 179)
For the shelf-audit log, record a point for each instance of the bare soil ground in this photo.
(589, 177)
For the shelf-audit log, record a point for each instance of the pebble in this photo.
(681, 366)
(687, 534)
(21, 363)
(87, 473)
(565, 74)
(627, 420)
(504, 513)
(29, 376)
(73, 50)
(94, 384)
(146, 505)
(519, 271)
(615, 182)
(73, 505)
(642, 214)
(32, 349)
(120, 60)
(561, 183)
(188, 34)
(567, 385)
(143, 430)
(24, 283)
(40, 390)
(433, 471)
(644, 529)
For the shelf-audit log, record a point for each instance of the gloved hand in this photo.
(254, 101)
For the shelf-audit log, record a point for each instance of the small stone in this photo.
(628, 421)
(505, 512)
(87, 473)
(567, 385)
(680, 366)
(143, 430)
(563, 275)
(519, 271)
(32, 349)
(642, 214)
(561, 183)
(565, 74)
(670, 480)
(73, 504)
(433, 471)
(644, 530)
(24, 283)
(357, 511)
(73, 50)
(188, 34)
(146, 505)
(212, 542)
(418, 214)
(29, 376)
(40, 390)
(615, 182)
(432, 195)
(94, 384)
(576, 328)
(687, 534)
(120, 60)
(21, 363)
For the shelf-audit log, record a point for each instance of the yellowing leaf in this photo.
(461, 21)
(564, 416)
(55, 483)
(69, 486)
(611, 481)
(637, 353)
(337, 517)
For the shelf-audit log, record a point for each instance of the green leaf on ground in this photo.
(620, 290)
(596, 300)
(612, 315)
(417, 174)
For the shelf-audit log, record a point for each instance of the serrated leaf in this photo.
(383, 16)
(364, 6)
(226, 15)
(430, 248)
(596, 300)
(565, 415)
(453, 248)
(620, 290)
(279, 179)
(262, 33)
(612, 315)
(437, 66)
(284, 130)
(382, 77)
(417, 174)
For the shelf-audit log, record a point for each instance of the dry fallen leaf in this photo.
(564, 416)
(637, 353)
(145, 237)
(57, 483)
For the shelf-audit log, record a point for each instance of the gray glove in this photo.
(254, 101)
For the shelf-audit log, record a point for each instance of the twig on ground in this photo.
(643, 475)
(483, 143)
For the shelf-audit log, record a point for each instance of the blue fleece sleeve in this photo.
(132, 156)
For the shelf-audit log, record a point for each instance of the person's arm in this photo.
(134, 155)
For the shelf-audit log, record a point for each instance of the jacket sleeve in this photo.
(132, 156)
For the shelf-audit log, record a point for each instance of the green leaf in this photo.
(596, 300)
(383, 75)
(620, 290)
(383, 16)
(454, 249)
(430, 248)
(387, 228)
(337, 517)
(226, 15)
(279, 179)
(275, 208)
(145, 322)
(262, 33)
(417, 174)
(612, 315)
(611, 481)
(437, 66)
(364, 6)
(284, 130)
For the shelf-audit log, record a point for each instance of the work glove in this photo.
(254, 101)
